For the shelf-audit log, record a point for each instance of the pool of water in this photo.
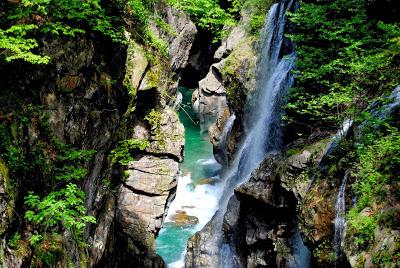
(197, 192)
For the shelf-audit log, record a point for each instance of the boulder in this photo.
(180, 43)
(182, 219)
(227, 45)
(169, 137)
(143, 196)
(210, 98)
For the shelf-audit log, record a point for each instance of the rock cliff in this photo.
(95, 95)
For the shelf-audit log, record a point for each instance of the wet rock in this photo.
(215, 132)
(205, 181)
(199, 253)
(299, 161)
(259, 225)
(181, 218)
(262, 230)
(294, 178)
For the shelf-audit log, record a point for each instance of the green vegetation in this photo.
(208, 14)
(344, 59)
(154, 119)
(22, 22)
(25, 23)
(65, 207)
(51, 169)
(376, 179)
(123, 154)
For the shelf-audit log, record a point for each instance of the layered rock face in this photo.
(149, 183)
(209, 99)
(84, 93)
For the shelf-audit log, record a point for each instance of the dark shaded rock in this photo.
(385, 10)
(259, 228)
(265, 227)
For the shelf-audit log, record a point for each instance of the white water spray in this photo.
(340, 218)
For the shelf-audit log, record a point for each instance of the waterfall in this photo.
(340, 219)
(224, 137)
(262, 123)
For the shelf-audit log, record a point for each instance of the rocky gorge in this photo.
(97, 136)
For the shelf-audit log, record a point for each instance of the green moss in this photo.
(244, 51)
(123, 153)
(136, 65)
(154, 118)
(4, 171)
(258, 10)
(293, 151)
(238, 67)
(154, 76)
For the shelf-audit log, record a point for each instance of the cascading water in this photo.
(263, 126)
(197, 192)
(263, 131)
(262, 136)
(340, 219)
(224, 137)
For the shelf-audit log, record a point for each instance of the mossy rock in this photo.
(181, 218)
(136, 65)
(205, 181)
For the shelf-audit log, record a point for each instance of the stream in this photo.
(198, 188)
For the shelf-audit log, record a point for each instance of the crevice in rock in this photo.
(139, 192)
(201, 57)
(165, 155)
(152, 173)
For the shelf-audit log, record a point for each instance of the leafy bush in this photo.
(344, 59)
(362, 228)
(18, 46)
(30, 18)
(208, 14)
(123, 153)
(378, 164)
(65, 207)
(50, 168)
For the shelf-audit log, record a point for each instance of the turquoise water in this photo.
(198, 164)
(197, 146)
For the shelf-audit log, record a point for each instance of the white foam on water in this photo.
(201, 202)
(177, 264)
(207, 162)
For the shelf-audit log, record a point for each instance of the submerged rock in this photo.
(181, 218)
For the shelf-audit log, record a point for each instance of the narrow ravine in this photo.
(197, 192)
